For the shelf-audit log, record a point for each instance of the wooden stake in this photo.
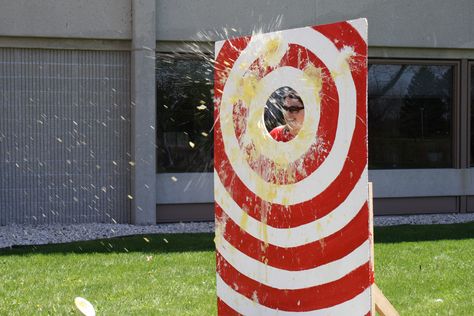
(379, 302)
(371, 236)
(382, 304)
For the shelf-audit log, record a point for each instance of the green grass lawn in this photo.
(427, 270)
(423, 270)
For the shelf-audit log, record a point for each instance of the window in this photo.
(184, 114)
(410, 115)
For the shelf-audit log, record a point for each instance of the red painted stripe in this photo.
(299, 300)
(224, 309)
(228, 54)
(304, 257)
(281, 216)
(343, 34)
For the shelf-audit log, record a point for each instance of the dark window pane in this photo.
(184, 114)
(472, 116)
(410, 110)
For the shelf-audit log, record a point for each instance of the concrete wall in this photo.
(101, 19)
(70, 25)
(402, 23)
(143, 90)
(411, 183)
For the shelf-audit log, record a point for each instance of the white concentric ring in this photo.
(281, 152)
(359, 305)
(321, 178)
(292, 280)
(361, 26)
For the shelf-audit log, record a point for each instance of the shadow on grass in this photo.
(168, 243)
(407, 233)
(159, 243)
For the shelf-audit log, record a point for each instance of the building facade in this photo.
(106, 106)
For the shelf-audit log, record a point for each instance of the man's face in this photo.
(293, 112)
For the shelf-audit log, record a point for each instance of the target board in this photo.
(292, 218)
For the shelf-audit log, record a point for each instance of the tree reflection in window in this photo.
(410, 116)
(184, 114)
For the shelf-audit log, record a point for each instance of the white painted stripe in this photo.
(217, 47)
(291, 280)
(361, 26)
(300, 235)
(359, 305)
(321, 178)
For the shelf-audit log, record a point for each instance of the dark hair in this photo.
(292, 95)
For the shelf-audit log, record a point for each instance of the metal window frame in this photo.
(467, 202)
(469, 75)
(456, 110)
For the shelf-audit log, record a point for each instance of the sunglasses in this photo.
(293, 109)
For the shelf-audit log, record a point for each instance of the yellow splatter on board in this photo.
(314, 76)
(244, 221)
(273, 50)
(248, 87)
(344, 59)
